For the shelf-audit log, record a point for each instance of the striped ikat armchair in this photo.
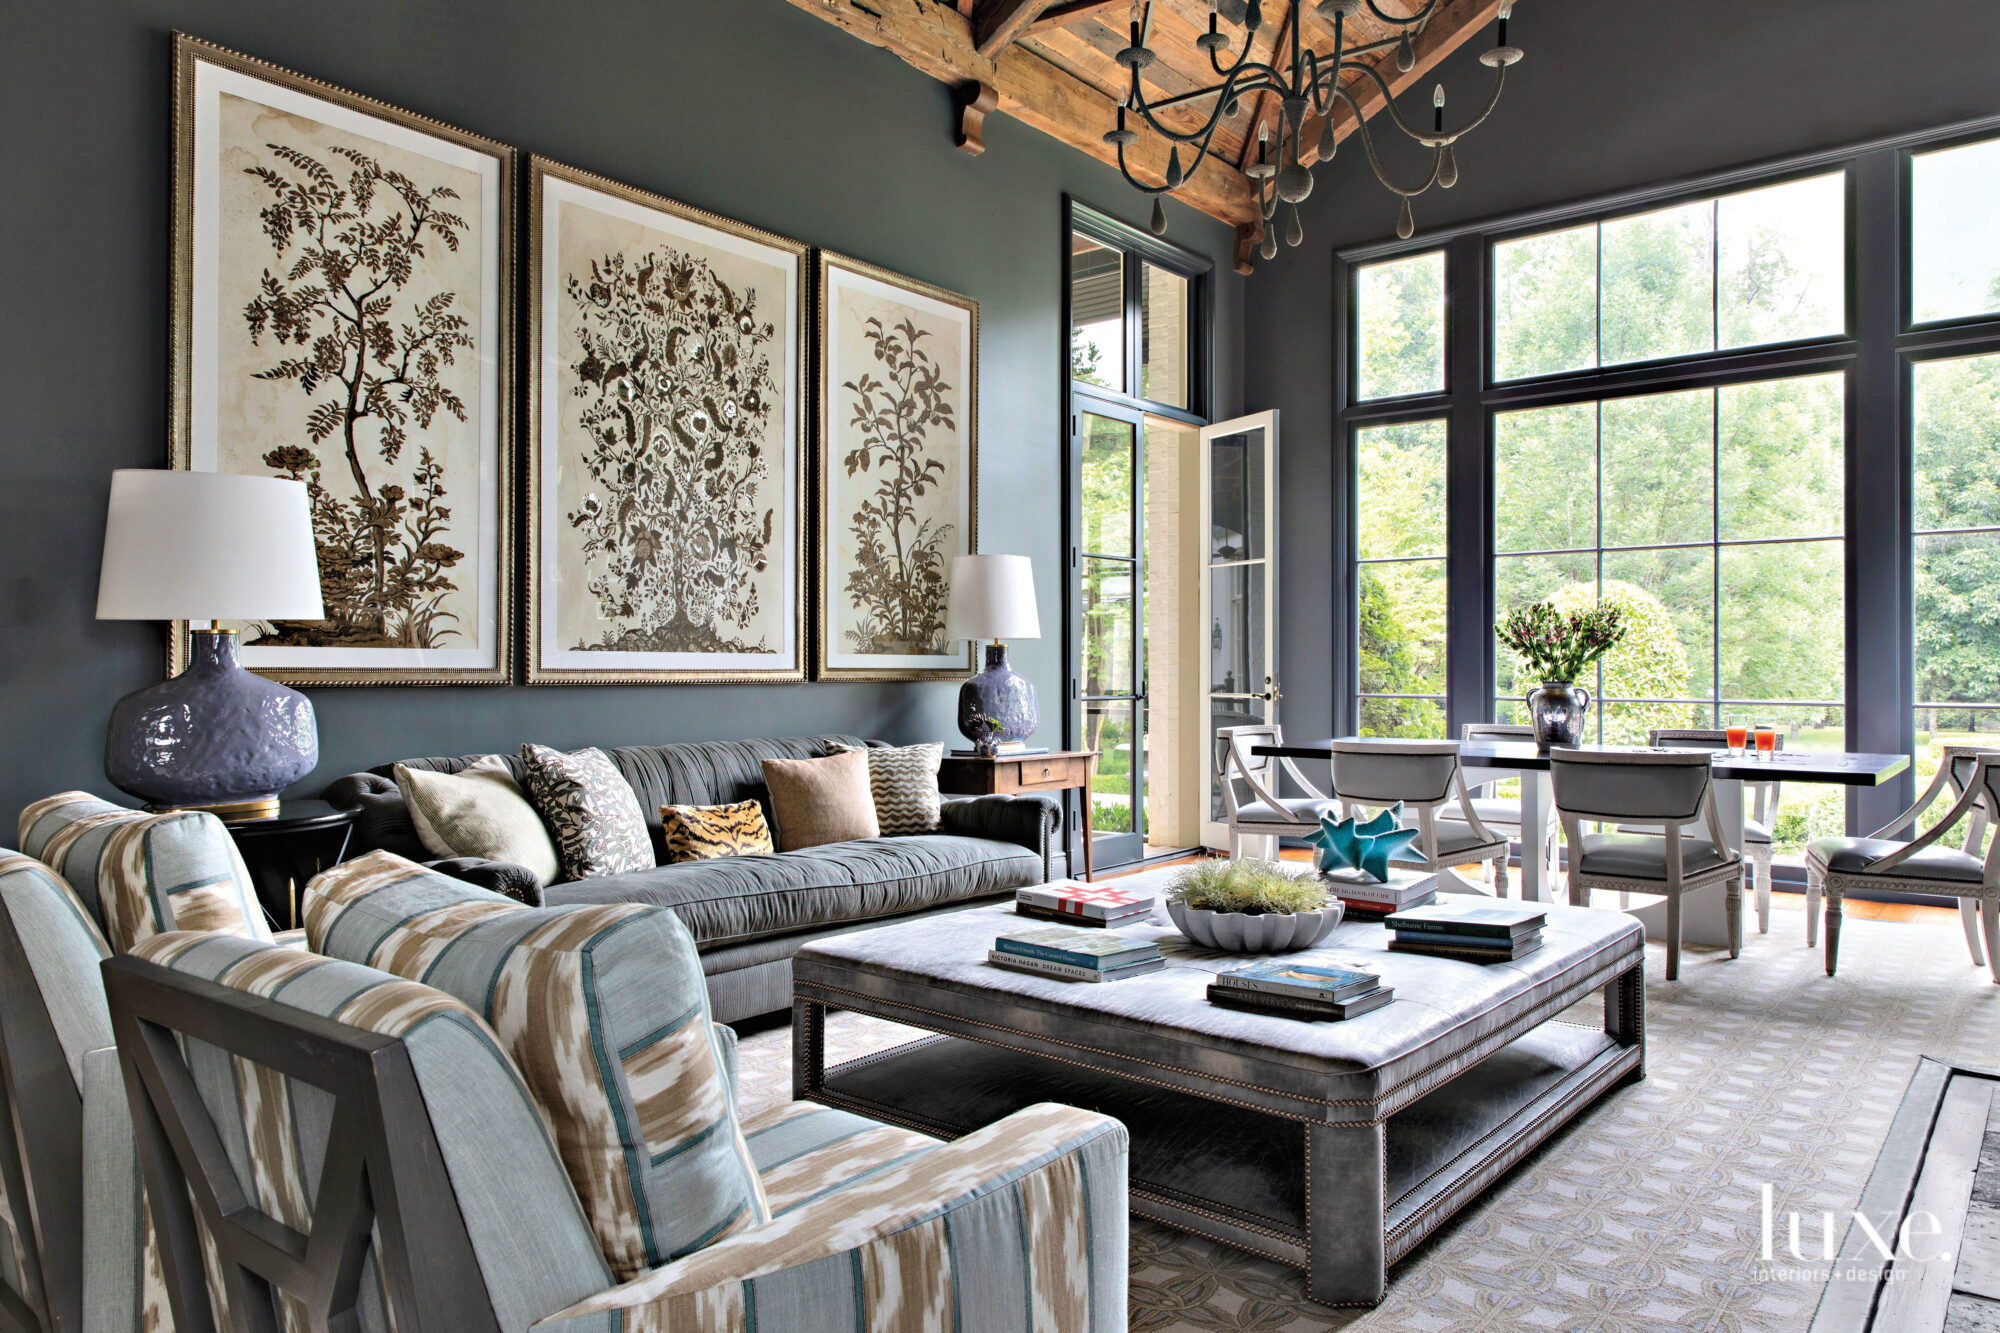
(395, 1157)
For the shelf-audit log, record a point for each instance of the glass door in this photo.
(1239, 593)
(1111, 578)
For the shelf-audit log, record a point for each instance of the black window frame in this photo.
(1877, 350)
(1139, 247)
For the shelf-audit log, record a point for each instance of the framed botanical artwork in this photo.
(898, 471)
(666, 456)
(343, 276)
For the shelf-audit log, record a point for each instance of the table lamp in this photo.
(993, 597)
(209, 546)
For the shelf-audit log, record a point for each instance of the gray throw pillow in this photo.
(478, 811)
(591, 810)
(904, 780)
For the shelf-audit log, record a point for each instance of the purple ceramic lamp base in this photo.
(997, 693)
(216, 737)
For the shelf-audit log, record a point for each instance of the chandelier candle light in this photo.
(1305, 81)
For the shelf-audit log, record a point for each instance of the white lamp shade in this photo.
(207, 546)
(992, 597)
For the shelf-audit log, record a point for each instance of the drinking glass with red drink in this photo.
(1738, 738)
(1767, 740)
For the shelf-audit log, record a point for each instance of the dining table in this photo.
(1703, 919)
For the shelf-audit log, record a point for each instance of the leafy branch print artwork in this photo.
(368, 345)
(898, 580)
(675, 393)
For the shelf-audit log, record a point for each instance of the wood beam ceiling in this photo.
(998, 22)
(994, 54)
(936, 39)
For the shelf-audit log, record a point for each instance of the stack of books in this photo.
(1005, 750)
(1369, 899)
(1075, 955)
(1476, 932)
(1300, 990)
(1078, 904)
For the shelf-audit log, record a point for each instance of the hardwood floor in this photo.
(1781, 901)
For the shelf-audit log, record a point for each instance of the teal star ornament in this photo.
(1350, 845)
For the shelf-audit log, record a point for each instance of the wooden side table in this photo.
(284, 850)
(1022, 774)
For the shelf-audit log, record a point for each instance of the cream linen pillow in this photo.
(479, 811)
(821, 800)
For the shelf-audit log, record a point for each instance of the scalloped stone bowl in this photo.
(1269, 932)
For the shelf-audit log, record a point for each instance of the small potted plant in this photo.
(1251, 906)
(1556, 649)
(988, 744)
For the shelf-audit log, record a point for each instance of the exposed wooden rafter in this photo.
(1050, 64)
(996, 23)
(937, 39)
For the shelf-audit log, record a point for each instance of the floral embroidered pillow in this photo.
(598, 826)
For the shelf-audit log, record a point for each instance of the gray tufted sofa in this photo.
(750, 914)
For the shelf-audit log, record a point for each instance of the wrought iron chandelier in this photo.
(1307, 82)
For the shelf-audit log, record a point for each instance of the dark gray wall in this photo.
(1612, 96)
(751, 108)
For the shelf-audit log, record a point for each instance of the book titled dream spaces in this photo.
(1077, 948)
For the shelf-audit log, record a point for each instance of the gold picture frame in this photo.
(883, 567)
(410, 463)
(667, 352)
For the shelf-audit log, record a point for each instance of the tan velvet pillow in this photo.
(818, 801)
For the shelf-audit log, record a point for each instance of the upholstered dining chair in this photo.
(1837, 866)
(1425, 777)
(1667, 788)
(1502, 814)
(1759, 817)
(1265, 816)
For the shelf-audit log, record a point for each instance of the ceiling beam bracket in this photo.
(976, 100)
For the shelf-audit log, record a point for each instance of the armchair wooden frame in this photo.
(41, 1152)
(1423, 805)
(1258, 773)
(1676, 881)
(1977, 798)
(383, 1167)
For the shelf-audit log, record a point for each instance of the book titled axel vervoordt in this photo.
(1305, 980)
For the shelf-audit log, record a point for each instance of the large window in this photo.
(1769, 434)
(1402, 584)
(1738, 270)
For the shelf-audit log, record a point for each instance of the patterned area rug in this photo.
(1645, 1213)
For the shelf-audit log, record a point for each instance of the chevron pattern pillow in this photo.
(904, 780)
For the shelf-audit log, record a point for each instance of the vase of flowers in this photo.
(1556, 649)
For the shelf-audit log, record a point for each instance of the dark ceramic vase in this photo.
(213, 736)
(1557, 709)
(997, 692)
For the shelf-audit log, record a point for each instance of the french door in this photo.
(1110, 566)
(1239, 589)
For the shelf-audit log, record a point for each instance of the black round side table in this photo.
(285, 850)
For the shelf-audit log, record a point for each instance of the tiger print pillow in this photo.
(704, 832)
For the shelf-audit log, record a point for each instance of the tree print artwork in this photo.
(898, 582)
(356, 326)
(674, 392)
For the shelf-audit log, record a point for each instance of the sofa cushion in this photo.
(534, 1247)
(480, 812)
(704, 832)
(139, 873)
(818, 801)
(598, 825)
(604, 1010)
(751, 897)
(904, 780)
